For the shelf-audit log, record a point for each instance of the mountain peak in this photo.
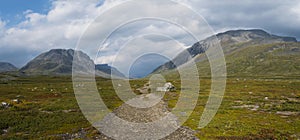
(238, 36)
(55, 61)
(59, 62)
(61, 50)
(241, 31)
(5, 67)
(230, 41)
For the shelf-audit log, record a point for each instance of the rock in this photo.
(70, 110)
(182, 133)
(293, 100)
(17, 101)
(251, 107)
(5, 104)
(167, 87)
(287, 113)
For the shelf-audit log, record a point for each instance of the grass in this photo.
(41, 111)
(45, 99)
(243, 122)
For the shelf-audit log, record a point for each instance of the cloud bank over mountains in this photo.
(63, 24)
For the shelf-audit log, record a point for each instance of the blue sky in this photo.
(13, 10)
(30, 27)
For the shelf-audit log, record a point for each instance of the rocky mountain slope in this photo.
(5, 67)
(106, 69)
(231, 41)
(56, 61)
(59, 62)
(267, 60)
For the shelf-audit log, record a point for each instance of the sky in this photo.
(28, 28)
(13, 10)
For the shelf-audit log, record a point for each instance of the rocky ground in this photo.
(155, 122)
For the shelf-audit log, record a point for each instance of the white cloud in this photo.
(295, 10)
(277, 17)
(105, 59)
(34, 19)
(59, 28)
(129, 53)
(2, 27)
(62, 26)
(2, 23)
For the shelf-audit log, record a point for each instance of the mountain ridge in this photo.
(60, 61)
(230, 41)
(54, 61)
(7, 67)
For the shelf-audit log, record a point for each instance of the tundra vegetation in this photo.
(48, 108)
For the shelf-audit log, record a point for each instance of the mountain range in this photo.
(246, 52)
(240, 43)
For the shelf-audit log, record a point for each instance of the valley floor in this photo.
(252, 108)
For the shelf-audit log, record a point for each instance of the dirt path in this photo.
(154, 122)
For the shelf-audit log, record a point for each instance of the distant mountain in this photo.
(56, 61)
(59, 62)
(5, 67)
(105, 69)
(266, 60)
(230, 41)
